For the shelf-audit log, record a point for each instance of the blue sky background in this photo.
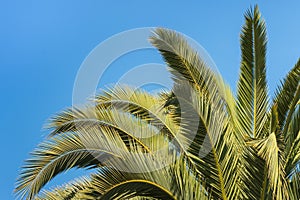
(43, 43)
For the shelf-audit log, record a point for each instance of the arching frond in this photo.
(192, 75)
(126, 125)
(77, 189)
(286, 93)
(173, 181)
(58, 154)
(148, 108)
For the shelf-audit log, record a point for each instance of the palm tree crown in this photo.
(198, 141)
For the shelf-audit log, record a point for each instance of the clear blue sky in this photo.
(43, 43)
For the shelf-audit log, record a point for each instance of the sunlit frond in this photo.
(148, 108)
(252, 97)
(125, 124)
(268, 149)
(64, 152)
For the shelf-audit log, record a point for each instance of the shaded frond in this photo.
(292, 144)
(286, 92)
(173, 181)
(294, 186)
(77, 189)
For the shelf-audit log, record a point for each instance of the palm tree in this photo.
(198, 141)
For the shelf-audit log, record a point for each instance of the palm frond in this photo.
(77, 189)
(269, 150)
(183, 62)
(143, 105)
(252, 97)
(64, 152)
(286, 93)
(292, 108)
(188, 67)
(173, 181)
(294, 186)
(192, 75)
(127, 126)
(292, 144)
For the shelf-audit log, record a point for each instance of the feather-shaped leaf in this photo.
(61, 153)
(252, 97)
(286, 92)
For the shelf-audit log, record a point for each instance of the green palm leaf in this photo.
(61, 153)
(286, 93)
(252, 97)
(292, 147)
(194, 79)
(127, 126)
(79, 188)
(268, 149)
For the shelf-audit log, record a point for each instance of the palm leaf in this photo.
(269, 150)
(286, 93)
(144, 106)
(170, 182)
(294, 186)
(129, 127)
(292, 144)
(252, 97)
(192, 75)
(64, 152)
(79, 188)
